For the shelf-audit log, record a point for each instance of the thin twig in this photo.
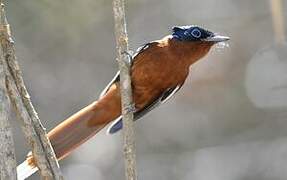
(7, 150)
(126, 91)
(32, 127)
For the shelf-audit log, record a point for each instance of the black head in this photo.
(195, 33)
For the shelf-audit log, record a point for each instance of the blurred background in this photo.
(227, 123)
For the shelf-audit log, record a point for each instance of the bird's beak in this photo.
(217, 38)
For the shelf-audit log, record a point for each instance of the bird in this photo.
(158, 70)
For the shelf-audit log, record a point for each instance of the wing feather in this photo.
(165, 96)
(116, 78)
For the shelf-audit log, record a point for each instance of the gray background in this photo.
(227, 123)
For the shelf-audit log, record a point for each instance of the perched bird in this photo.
(158, 71)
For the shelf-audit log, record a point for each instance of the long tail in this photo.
(24, 170)
(78, 128)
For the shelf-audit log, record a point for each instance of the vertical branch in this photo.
(125, 86)
(278, 20)
(7, 154)
(32, 127)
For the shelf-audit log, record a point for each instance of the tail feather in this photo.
(25, 169)
(78, 128)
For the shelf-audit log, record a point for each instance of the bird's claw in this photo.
(129, 53)
(130, 108)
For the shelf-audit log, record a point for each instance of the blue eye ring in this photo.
(196, 33)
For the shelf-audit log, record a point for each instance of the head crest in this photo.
(190, 33)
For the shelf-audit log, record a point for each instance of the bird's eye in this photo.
(196, 33)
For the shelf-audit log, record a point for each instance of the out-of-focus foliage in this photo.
(228, 121)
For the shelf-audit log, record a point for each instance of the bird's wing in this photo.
(114, 80)
(117, 76)
(117, 124)
(166, 95)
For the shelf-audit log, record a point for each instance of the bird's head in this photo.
(196, 40)
(195, 34)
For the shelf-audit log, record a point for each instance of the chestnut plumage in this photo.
(158, 71)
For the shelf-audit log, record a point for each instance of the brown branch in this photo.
(32, 127)
(7, 154)
(125, 86)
